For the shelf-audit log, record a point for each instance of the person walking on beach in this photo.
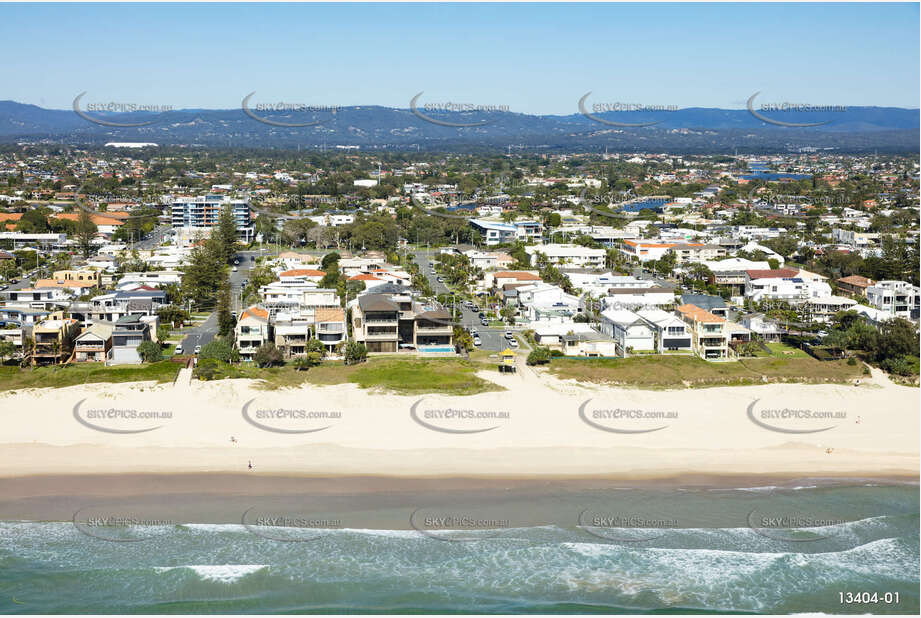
(250, 465)
(233, 440)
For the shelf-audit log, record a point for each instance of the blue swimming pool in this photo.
(437, 348)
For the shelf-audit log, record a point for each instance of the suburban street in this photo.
(207, 330)
(493, 339)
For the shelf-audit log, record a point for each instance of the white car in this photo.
(477, 341)
(197, 350)
(513, 343)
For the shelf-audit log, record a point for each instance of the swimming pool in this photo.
(449, 349)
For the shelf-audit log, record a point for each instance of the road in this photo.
(207, 330)
(154, 240)
(493, 339)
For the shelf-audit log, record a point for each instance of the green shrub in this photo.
(267, 355)
(539, 356)
(218, 349)
(150, 351)
(355, 352)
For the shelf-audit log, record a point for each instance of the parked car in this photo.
(178, 349)
(513, 343)
(509, 335)
(484, 322)
(197, 350)
(477, 341)
(235, 269)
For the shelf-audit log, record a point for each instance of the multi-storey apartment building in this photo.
(697, 252)
(385, 322)
(52, 340)
(376, 323)
(204, 212)
(576, 256)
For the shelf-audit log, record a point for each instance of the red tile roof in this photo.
(700, 315)
(516, 274)
(773, 273)
(302, 272)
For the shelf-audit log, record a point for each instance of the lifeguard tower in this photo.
(507, 361)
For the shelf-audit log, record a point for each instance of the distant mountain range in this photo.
(689, 130)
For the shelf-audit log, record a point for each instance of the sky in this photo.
(531, 58)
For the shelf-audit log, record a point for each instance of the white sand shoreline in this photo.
(551, 429)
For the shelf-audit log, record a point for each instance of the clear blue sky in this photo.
(534, 58)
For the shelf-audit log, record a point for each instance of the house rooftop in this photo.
(256, 312)
(857, 280)
(516, 274)
(699, 315)
(377, 302)
(704, 301)
(329, 314)
(772, 273)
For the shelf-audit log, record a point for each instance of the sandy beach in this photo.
(540, 427)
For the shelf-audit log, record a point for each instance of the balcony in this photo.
(434, 330)
(377, 336)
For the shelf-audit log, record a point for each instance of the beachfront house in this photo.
(252, 331)
(709, 335)
(375, 322)
(52, 340)
(631, 332)
(766, 328)
(672, 333)
(329, 326)
(291, 334)
(93, 344)
(128, 333)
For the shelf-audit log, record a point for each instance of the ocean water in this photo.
(609, 551)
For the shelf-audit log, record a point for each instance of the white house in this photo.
(629, 330)
(671, 331)
(898, 298)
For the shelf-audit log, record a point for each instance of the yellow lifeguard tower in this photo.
(507, 363)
